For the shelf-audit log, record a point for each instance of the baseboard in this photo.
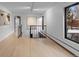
(64, 45)
(6, 36)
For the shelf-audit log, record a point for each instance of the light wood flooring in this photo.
(28, 47)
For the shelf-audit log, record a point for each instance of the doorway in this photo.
(17, 26)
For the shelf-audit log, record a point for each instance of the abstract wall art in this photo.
(72, 22)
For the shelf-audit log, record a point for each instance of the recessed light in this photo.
(25, 7)
(38, 9)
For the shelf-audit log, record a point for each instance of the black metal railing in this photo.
(35, 30)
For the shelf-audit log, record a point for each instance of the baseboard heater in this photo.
(47, 35)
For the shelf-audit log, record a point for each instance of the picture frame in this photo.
(71, 24)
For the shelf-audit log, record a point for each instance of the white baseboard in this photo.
(6, 36)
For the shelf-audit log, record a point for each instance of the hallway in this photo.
(29, 21)
(40, 47)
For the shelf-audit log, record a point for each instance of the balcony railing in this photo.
(35, 30)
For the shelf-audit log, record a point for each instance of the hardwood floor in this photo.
(39, 47)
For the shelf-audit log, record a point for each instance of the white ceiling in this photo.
(28, 7)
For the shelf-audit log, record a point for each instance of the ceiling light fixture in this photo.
(25, 7)
(38, 9)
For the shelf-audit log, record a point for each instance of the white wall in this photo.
(31, 20)
(6, 29)
(39, 21)
(25, 29)
(55, 28)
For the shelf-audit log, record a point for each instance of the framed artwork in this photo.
(4, 18)
(72, 22)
